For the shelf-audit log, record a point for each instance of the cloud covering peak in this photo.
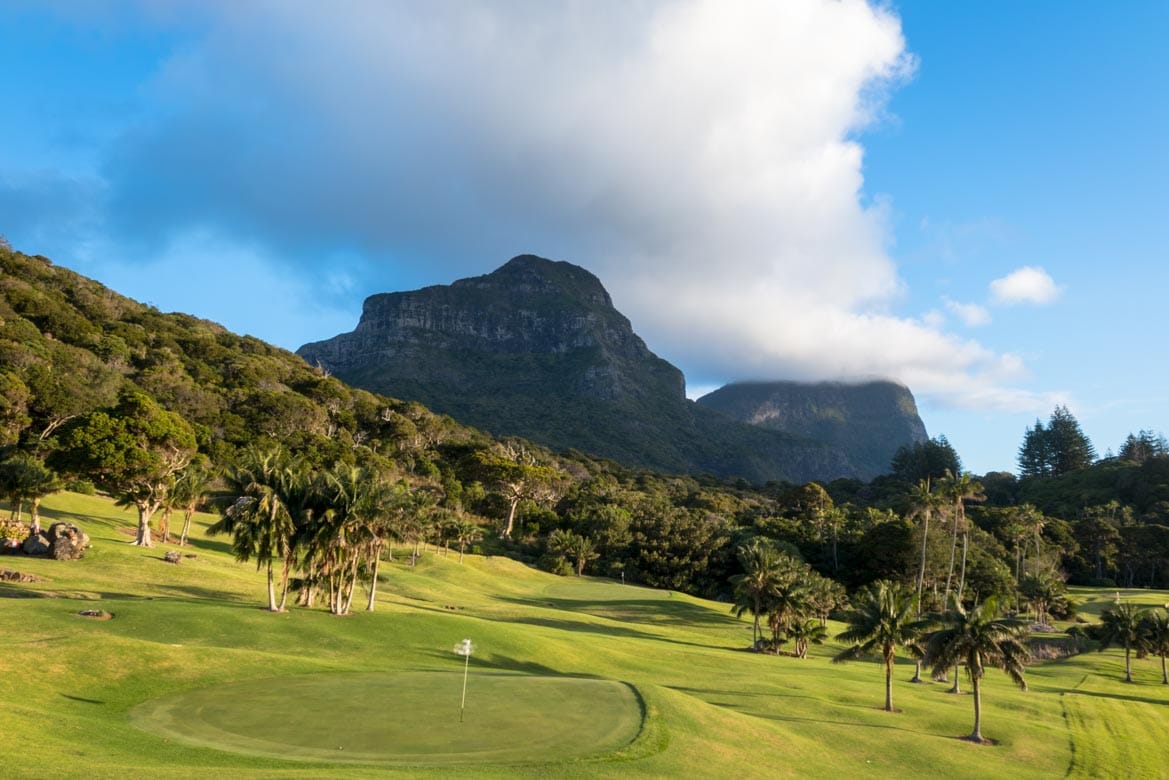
(701, 157)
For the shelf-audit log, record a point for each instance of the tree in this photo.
(513, 470)
(268, 495)
(132, 452)
(928, 460)
(805, 632)
(360, 515)
(883, 618)
(923, 503)
(1042, 590)
(464, 532)
(1145, 446)
(1156, 631)
(1071, 450)
(1059, 448)
(1122, 625)
(572, 545)
(1035, 456)
(979, 638)
(189, 491)
(24, 478)
(960, 489)
(759, 560)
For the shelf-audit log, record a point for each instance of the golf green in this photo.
(403, 718)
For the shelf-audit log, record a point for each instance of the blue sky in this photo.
(967, 197)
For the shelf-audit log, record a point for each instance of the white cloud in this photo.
(701, 157)
(972, 314)
(1029, 284)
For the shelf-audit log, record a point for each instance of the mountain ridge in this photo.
(536, 349)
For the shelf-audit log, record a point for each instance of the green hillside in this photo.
(86, 698)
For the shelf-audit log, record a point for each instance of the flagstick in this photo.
(463, 703)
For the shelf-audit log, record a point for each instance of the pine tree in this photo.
(1059, 448)
(1035, 453)
(1070, 448)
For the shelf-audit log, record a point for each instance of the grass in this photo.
(192, 676)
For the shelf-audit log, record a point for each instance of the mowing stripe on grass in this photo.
(1117, 738)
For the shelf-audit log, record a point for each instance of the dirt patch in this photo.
(96, 614)
(8, 575)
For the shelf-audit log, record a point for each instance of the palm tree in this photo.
(189, 491)
(960, 489)
(1122, 625)
(25, 478)
(979, 638)
(883, 617)
(805, 632)
(788, 599)
(1156, 630)
(923, 502)
(464, 532)
(361, 508)
(759, 561)
(262, 518)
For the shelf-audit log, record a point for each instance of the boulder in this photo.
(10, 546)
(37, 544)
(68, 541)
(172, 556)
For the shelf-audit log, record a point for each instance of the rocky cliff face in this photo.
(869, 421)
(536, 349)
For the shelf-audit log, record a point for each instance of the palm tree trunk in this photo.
(35, 512)
(377, 554)
(284, 572)
(957, 686)
(1127, 663)
(953, 550)
(755, 630)
(925, 530)
(164, 525)
(888, 684)
(271, 589)
(976, 735)
(1164, 673)
(962, 576)
(186, 527)
(916, 672)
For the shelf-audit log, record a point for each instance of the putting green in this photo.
(405, 718)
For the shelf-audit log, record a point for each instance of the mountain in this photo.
(536, 349)
(869, 421)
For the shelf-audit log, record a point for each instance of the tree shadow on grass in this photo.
(655, 611)
(502, 663)
(197, 593)
(1118, 696)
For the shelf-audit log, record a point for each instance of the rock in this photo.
(536, 349)
(10, 546)
(38, 544)
(68, 541)
(7, 575)
(172, 556)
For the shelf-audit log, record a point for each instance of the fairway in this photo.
(403, 718)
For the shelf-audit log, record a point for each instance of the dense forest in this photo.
(168, 413)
